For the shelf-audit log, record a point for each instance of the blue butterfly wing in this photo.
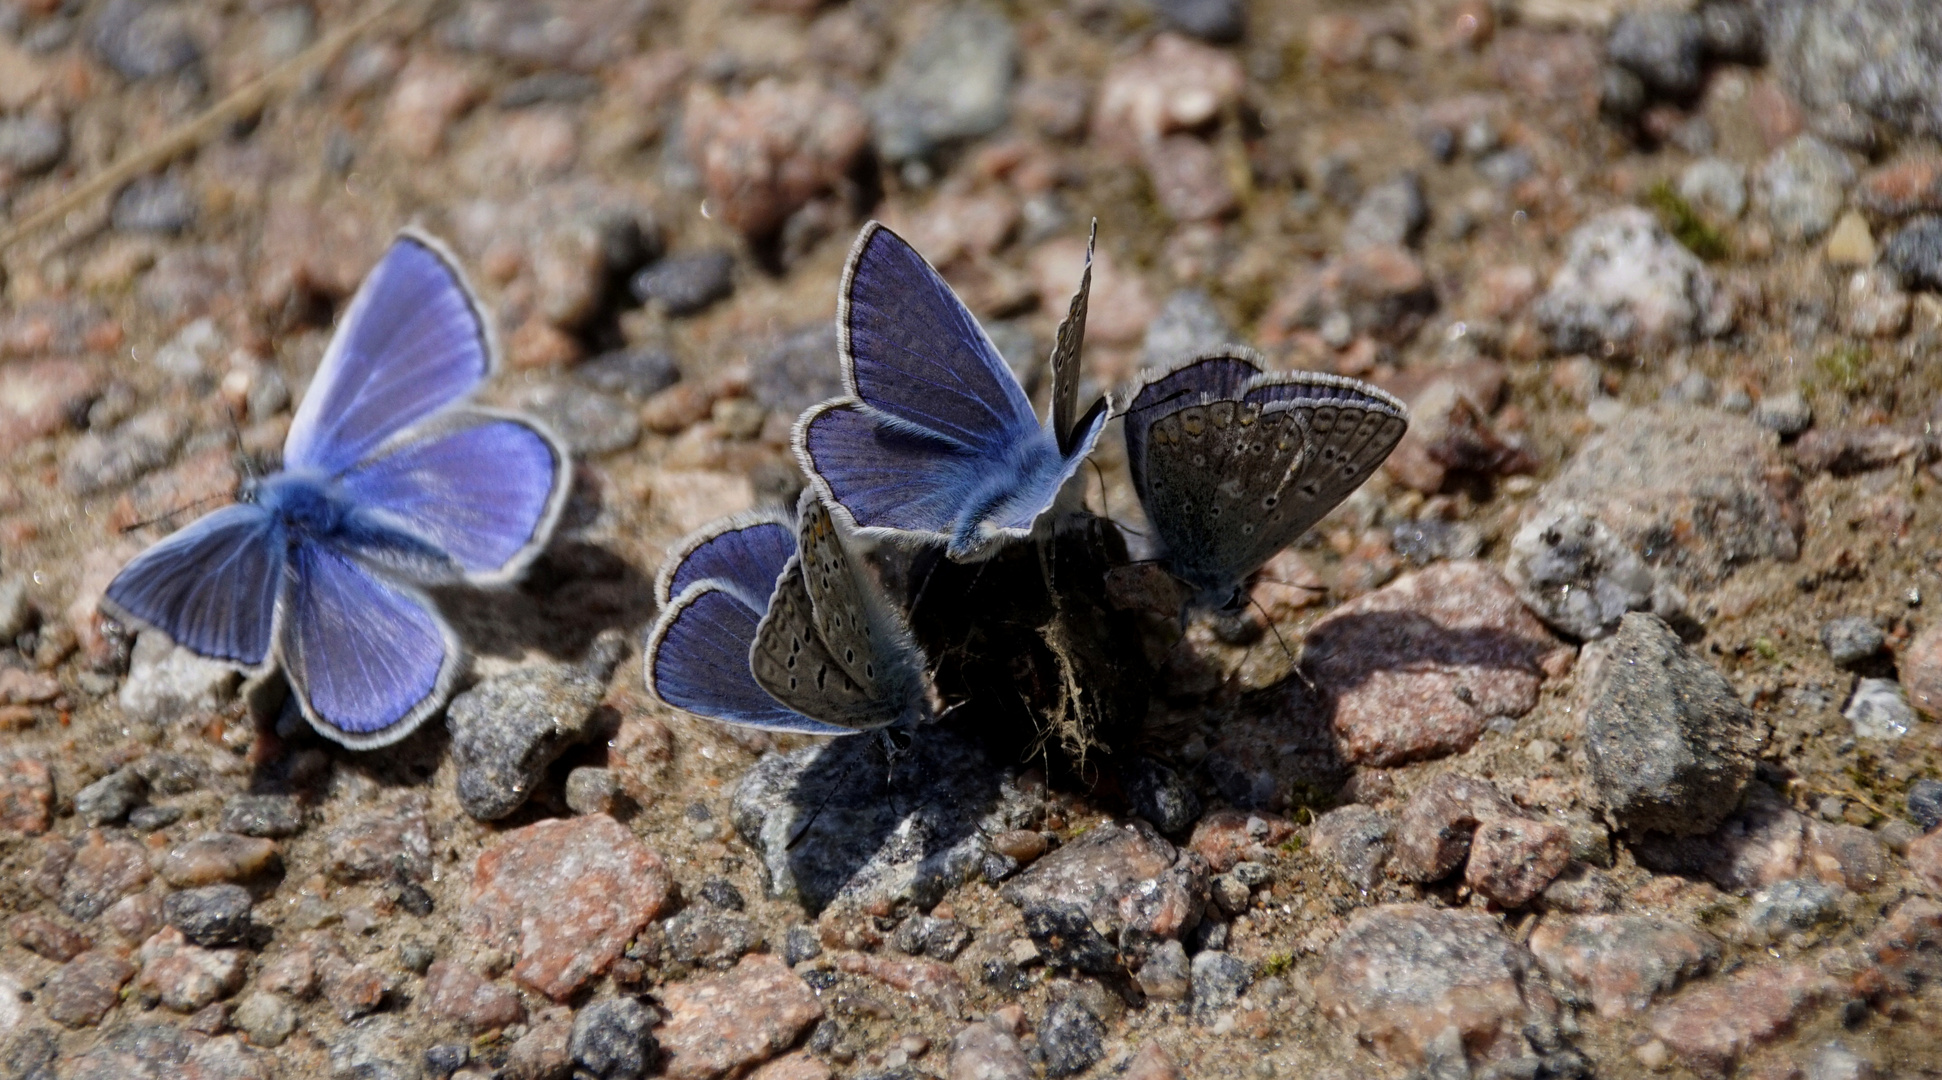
(888, 475)
(1220, 377)
(912, 350)
(211, 586)
(412, 342)
(366, 659)
(744, 554)
(486, 490)
(698, 660)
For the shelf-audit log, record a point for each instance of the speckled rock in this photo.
(266, 1018)
(1877, 710)
(43, 936)
(1160, 795)
(1712, 1026)
(26, 796)
(567, 895)
(985, 1051)
(1114, 892)
(1437, 824)
(1791, 906)
(1914, 253)
(1414, 670)
(866, 834)
(1620, 964)
(1227, 837)
(1512, 859)
(1803, 186)
(186, 977)
(1703, 491)
(509, 728)
(388, 843)
(592, 424)
(1404, 974)
(1219, 980)
(41, 397)
(1358, 839)
(82, 991)
(166, 682)
(1391, 214)
(31, 144)
(1921, 670)
(765, 153)
(1071, 1038)
(109, 799)
(99, 871)
(212, 915)
(711, 937)
(270, 816)
(217, 857)
(952, 83)
(1579, 577)
(721, 1025)
(456, 994)
(1669, 744)
(611, 1039)
(1627, 286)
(1188, 325)
(1877, 58)
(686, 284)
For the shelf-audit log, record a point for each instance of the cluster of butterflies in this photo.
(392, 483)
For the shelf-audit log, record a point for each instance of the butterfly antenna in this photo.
(828, 794)
(1105, 505)
(1272, 627)
(166, 515)
(236, 439)
(1292, 584)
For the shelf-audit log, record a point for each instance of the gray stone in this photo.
(1715, 187)
(686, 284)
(939, 939)
(142, 39)
(1621, 93)
(798, 371)
(1851, 639)
(1071, 1038)
(988, 1052)
(548, 88)
(1218, 21)
(1880, 58)
(154, 204)
(1878, 710)
(1219, 980)
(612, 1039)
(31, 144)
(636, 374)
(1785, 414)
(1696, 490)
(1427, 540)
(1914, 253)
(151, 818)
(1731, 31)
(1792, 905)
(1578, 576)
(139, 1051)
(109, 799)
(1187, 326)
(509, 728)
(1160, 795)
(1834, 1061)
(16, 609)
(833, 822)
(1923, 802)
(1357, 838)
(801, 944)
(712, 937)
(212, 915)
(1625, 286)
(1166, 975)
(100, 461)
(165, 682)
(1391, 214)
(273, 816)
(446, 1058)
(1663, 47)
(592, 790)
(381, 1047)
(1107, 897)
(266, 1018)
(952, 83)
(592, 424)
(1669, 744)
(1804, 185)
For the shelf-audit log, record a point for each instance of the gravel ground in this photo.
(1596, 736)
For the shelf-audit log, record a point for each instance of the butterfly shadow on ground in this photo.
(574, 590)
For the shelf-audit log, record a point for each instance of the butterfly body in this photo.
(774, 624)
(1232, 465)
(935, 440)
(389, 486)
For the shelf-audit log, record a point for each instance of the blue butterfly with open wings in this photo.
(390, 484)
